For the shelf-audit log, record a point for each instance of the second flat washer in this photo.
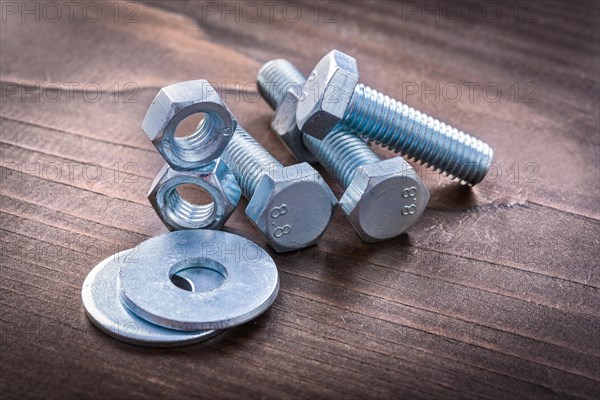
(102, 305)
(243, 280)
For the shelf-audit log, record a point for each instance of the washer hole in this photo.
(198, 274)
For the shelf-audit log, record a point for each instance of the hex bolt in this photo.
(332, 96)
(382, 199)
(291, 206)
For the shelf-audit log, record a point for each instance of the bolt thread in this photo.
(275, 78)
(248, 160)
(341, 153)
(416, 135)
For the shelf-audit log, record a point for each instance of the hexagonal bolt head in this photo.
(292, 207)
(384, 199)
(327, 94)
(172, 105)
(177, 213)
(284, 124)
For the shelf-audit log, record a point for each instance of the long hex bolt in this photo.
(382, 199)
(291, 206)
(332, 96)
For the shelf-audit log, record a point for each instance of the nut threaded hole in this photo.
(189, 125)
(206, 136)
(188, 205)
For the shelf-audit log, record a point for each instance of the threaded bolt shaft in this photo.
(340, 153)
(416, 135)
(275, 78)
(248, 160)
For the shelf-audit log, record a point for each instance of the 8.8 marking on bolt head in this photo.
(410, 192)
(275, 213)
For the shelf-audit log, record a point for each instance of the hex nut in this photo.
(172, 105)
(292, 207)
(384, 199)
(177, 213)
(327, 94)
(284, 124)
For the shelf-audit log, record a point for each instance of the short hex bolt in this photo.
(291, 206)
(332, 96)
(382, 199)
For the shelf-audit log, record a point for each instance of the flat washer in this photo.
(248, 285)
(104, 308)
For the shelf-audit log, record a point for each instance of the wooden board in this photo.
(493, 294)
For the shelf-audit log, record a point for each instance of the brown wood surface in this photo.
(493, 294)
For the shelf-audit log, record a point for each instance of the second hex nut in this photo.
(177, 213)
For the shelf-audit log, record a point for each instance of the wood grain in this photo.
(495, 293)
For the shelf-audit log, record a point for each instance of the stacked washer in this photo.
(179, 288)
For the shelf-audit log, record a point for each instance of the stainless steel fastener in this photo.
(104, 308)
(382, 199)
(332, 96)
(291, 206)
(172, 105)
(177, 213)
(244, 276)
